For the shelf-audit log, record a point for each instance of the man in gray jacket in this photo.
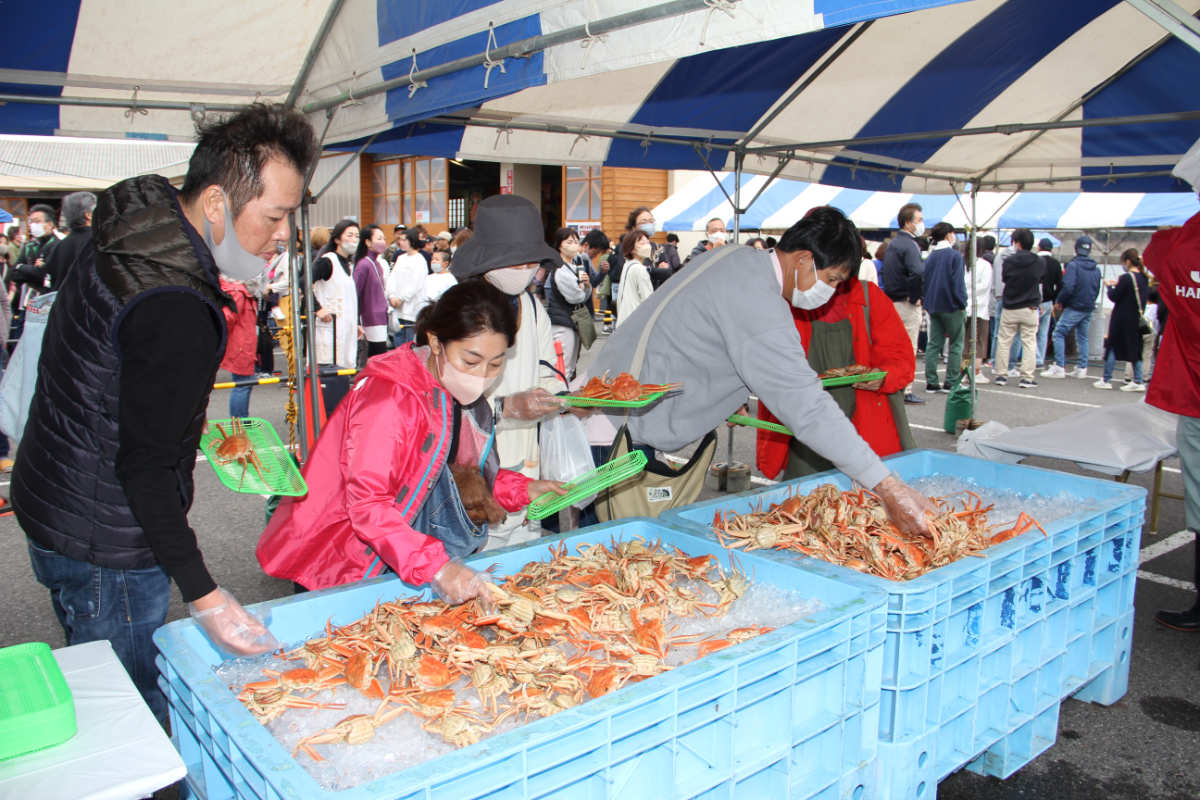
(724, 329)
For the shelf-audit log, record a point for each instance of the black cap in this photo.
(1045, 244)
(1083, 245)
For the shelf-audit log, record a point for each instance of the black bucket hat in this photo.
(508, 232)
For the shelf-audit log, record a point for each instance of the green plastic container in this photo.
(846, 380)
(36, 708)
(280, 475)
(600, 478)
(644, 400)
(754, 422)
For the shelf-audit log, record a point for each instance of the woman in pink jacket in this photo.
(380, 493)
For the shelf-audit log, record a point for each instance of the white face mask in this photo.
(717, 237)
(920, 229)
(37, 230)
(813, 297)
(511, 280)
(642, 250)
(569, 250)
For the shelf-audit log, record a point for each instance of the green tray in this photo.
(775, 427)
(280, 475)
(36, 708)
(644, 400)
(846, 380)
(600, 478)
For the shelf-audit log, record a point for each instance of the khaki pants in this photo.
(1021, 322)
(910, 316)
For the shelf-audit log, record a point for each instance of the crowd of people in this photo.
(464, 343)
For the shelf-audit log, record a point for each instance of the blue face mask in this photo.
(647, 228)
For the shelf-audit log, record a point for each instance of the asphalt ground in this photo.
(1144, 746)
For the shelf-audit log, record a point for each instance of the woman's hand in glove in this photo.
(907, 508)
(531, 405)
(538, 488)
(231, 628)
(457, 583)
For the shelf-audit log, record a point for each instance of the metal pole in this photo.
(738, 158)
(314, 50)
(297, 374)
(114, 102)
(522, 48)
(310, 337)
(1172, 19)
(971, 353)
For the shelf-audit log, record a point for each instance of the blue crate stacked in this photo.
(792, 713)
(981, 652)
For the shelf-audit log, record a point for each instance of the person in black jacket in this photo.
(104, 479)
(77, 210)
(1052, 275)
(1129, 294)
(1022, 274)
(902, 276)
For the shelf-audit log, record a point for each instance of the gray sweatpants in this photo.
(1187, 434)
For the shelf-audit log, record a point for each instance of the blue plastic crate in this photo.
(790, 713)
(964, 636)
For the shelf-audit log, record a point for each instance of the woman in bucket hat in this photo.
(506, 250)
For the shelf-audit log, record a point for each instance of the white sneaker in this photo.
(1102, 384)
(1134, 387)
(1054, 371)
(1014, 373)
(981, 379)
(1078, 372)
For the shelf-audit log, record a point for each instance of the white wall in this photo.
(343, 199)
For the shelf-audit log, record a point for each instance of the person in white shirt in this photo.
(404, 285)
(979, 298)
(437, 282)
(635, 275)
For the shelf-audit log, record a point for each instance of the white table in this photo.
(119, 751)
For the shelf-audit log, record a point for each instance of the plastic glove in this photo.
(457, 583)
(906, 507)
(531, 405)
(538, 488)
(231, 628)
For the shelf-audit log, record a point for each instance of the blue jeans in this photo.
(443, 517)
(239, 397)
(124, 606)
(405, 335)
(1043, 334)
(1110, 363)
(1072, 320)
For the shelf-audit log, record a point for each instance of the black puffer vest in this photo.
(65, 490)
(556, 305)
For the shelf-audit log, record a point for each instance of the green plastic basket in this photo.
(846, 380)
(280, 475)
(751, 422)
(36, 708)
(600, 478)
(644, 400)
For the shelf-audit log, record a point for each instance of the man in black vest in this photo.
(104, 479)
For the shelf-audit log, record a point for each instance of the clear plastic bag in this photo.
(566, 454)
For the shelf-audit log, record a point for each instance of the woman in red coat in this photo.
(849, 330)
(241, 343)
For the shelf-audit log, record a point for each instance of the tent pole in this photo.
(314, 50)
(310, 338)
(343, 167)
(738, 159)
(1173, 19)
(297, 364)
(974, 263)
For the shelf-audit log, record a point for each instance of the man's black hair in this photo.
(829, 235)
(597, 239)
(672, 238)
(1023, 237)
(231, 152)
(989, 243)
(51, 214)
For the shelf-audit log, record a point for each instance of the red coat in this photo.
(889, 349)
(388, 439)
(1173, 256)
(241, 322)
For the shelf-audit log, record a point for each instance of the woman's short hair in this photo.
(561, 235)
(631, 223)
(465, 310)
(630, 240)
(335, 236)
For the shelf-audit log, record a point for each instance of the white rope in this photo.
(589, 40)
(581, 137)
(488, 63)
(413, 84)
(715, 5)
(507, 134)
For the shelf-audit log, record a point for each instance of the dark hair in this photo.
(597, 239)
(364, 236)
(907, 212)
(879, 251)
(335, 236)
(829, 235)
(981, 245)
(629, 240)
(1133, 257)
(399, 228)
(231, 152)
(414, 238)
(672, 238)
(48, 211)
(1023, 237)
(772, 242)
(462, 237)
(436, 253)
(467, 309)
(562, 234)
(940, 232)
(12, 231)
(631, 223)
(750, 242)
(989, 243)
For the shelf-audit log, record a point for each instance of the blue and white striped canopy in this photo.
(828, 84)
(699, 198)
